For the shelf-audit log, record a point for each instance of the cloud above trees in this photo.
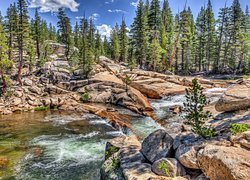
(54, 5)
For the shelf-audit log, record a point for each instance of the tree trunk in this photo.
(4, 88)
(20, 67)
(38, 49)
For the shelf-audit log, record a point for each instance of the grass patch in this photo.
(164, 167)
(85, 97)
(41, 108)
(112, 150)
(239, 128)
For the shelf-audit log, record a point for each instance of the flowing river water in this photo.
(55, 145)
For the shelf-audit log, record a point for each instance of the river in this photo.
(55, 145)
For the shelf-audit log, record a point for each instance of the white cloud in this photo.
(104, 30)
(94, 16)
(135, 4)
(54, 5)
(109, 2)
(79, 17)
(116, 11)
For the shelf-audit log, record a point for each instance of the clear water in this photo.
(59, 145)
(53, 145)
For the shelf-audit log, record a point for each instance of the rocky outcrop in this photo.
(237, 97)
(218, 162)
(107, 88)
(131, 161)
(157, 145)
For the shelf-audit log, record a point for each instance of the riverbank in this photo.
(122, 102)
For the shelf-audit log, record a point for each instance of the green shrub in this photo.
(112, 150)
(208, 132)
(115, 163)
(41, 108)
(164, 167)
(85, 97)
(239, 128)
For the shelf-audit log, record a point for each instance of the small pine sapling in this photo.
(194, 106)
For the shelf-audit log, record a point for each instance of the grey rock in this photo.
(35, 89)
(187, 156)
(27, 82)
(157, 145)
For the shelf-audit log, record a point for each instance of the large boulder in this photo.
(169, 167)
(107, 88)
(187, 156)
(230, 163)
(157, 145)
(237, 97)
(187, 146)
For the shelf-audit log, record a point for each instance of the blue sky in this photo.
(106, 12)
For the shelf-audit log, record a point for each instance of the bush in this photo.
(85, 97)
(112, 150)
(41, 108)
(239, 128)
(194, 105)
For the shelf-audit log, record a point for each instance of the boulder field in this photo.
(58, 85)
(185, 157)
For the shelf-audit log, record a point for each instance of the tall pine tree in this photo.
(22, 34)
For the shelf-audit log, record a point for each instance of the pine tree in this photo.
(98, 46)
(106, 47)
(1, 18)
(224, 39)
(115, 43)
(221, 35)
(200, 39)
(64, 31)
(91, 34)
(176, 45)
(52, 32)
(194, 105)
(237, 20)
(140, 35)
(31, 53)
(76, 35)
(44, 31)
(86, 53)
(168, 24)
(5, 63)
(186, 34)
(247, 39)
(37, 32)
(210, 36)
(154, 18)
(123, 41)
(11, 25)
(155, 54)
(23, 34)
